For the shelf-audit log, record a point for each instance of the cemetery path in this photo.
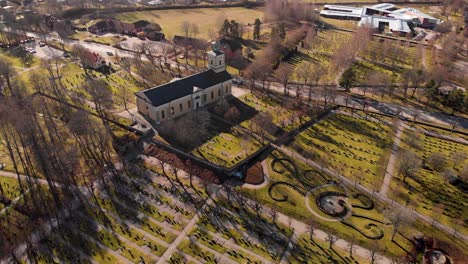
(187, 229)
(127, 241)
(14, 202)
(235, 246)
(15, 176)
(221, 258)
(301, 228)
(391, 165)
(105, 248)
(157, 239)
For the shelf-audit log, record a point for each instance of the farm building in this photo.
(382, 16)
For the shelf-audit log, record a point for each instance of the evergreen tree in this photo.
(455, 100)
(347, 79)
(234, 30)
(256, 31)
(225, 28)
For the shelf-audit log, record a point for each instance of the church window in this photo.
(188, 104)
(180, 107)
(163, 114)
(219, 92)
(212, 95)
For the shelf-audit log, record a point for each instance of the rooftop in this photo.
(171, 91)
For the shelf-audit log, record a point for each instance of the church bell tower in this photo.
(216, 59)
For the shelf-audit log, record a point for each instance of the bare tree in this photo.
(6, 74)
(409, 164)
(458, 157)
(283, 73)
(351, 245)
(331, 239)
(186, 28)
(311, 228)
(373, 253)
(437, 161)
(397, 218)
(64, 30)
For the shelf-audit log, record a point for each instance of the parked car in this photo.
(238, 81)
(109, 53)
(42, 44)
(66, 55)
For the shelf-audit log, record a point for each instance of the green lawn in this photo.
(283, 117)
(228, 148)
(10, 188)
(207, 19)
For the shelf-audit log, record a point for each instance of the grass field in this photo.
(207, 19)
(228, 148)
(283, 117)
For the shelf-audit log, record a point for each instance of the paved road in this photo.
(384, 107)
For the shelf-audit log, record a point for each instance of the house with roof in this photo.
(187, 94)
(93, 60)
(117, 26)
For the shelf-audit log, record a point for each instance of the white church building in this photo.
(183, 95)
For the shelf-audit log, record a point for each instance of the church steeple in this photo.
(216, 59)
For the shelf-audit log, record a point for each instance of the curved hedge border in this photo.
(366, 202)
(368, 218)
(285, 197)
(368, 226)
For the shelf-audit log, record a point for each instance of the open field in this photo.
(207, 19)
(354, 145)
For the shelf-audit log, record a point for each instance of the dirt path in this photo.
(391, 165)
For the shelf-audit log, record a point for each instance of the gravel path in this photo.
(391, 165)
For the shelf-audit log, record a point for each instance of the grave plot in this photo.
(9, 190)
(275, 115)
(355, 146)
(437, 187)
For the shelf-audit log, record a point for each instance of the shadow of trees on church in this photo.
(190, 131)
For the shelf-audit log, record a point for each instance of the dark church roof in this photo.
(171, 91)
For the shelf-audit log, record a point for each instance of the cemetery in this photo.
(356, 146)
(435, 188)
